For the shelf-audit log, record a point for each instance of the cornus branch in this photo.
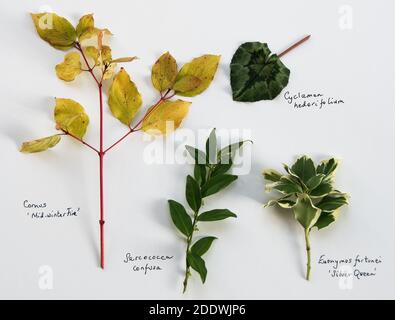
(124, 99)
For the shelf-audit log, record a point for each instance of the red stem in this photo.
(297, 44)
(101, 165)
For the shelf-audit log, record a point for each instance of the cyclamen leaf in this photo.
(305, 212)
(86, 23)
(198, 155)
(180, 218)
(216, 184)
(70, 116)
(304, 168)
(40, 144)
(70, 68)
(204, 68)
(256, 73)
(166, 117)
(164, 72)
(202, 246)
(124, 98)
(198, 264)
(193, 195)
(187, 83)
(216, 215)
(55, 30)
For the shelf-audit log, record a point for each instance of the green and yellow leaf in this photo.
(124, 98)
(40, 144)
(166, 117)
(93, 53)
(204, 68)
(186, 84)
(305, 212)
(86, 23)
(55, 30)
(164, 72)
(70, 68)
(70, 116)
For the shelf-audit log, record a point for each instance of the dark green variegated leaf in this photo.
(199, 173)
(326, 218)
(282, 202)
(257, 74)
(201, 246)
(198, 155)
(198, 264)
(322, 190)
(228, 153)
(180, 218)
(332, 201)
(314, 181)
(216, 215)
(211, 148)
(192, 192)
(286, 186)
(304, 168)
(217, 183)
(272, 175)
(328, 167)
(305, 212)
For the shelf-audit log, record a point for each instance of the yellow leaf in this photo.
(166, 117)
(164, 72)
(70, 68)
(70, 116)
(55, 30)
(126, 59)
(106, 55)
(123, 98)
(203, 68)
(40, 144)
(186, 83)
(93, 53)
(109, 71)
(89, 33)
(86, 22)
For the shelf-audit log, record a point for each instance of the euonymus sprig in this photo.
(90, 54)
(210, 176)
(308, 190)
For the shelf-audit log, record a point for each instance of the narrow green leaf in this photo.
(180, 218)
(228, 153)
(216, 215)
(198, 155)
(221, 168)
(201, 246)
(217, 183)
(211, 148)
(193, 195)
(198, 264)
(200, 173)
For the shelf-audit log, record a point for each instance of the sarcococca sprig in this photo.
(309, 192)
(210, 176)
(92, 55)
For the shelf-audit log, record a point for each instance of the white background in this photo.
(261, 254)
